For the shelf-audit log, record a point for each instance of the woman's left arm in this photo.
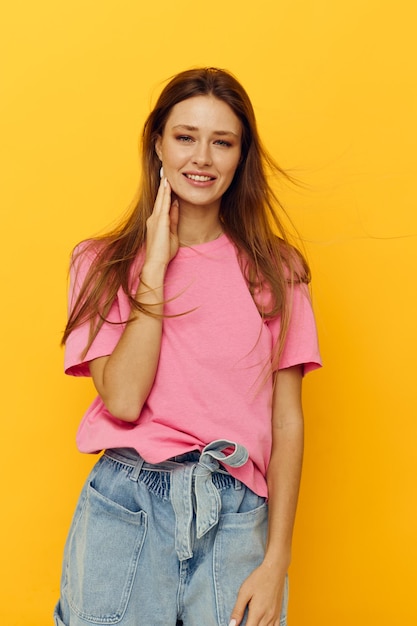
(262, 592)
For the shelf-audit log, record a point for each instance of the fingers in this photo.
(174, 217)
(239, 608)
(164, 207)
(163, 197)
(263, 609)
(162, 227)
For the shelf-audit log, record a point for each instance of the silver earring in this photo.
(161, 172)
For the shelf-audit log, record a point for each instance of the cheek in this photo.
(234, 162)
(232, 169)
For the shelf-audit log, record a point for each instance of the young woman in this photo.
(193, 319)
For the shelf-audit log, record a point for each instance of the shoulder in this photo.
(84, 263)
(85, 252)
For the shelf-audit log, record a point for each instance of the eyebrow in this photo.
(194, 128)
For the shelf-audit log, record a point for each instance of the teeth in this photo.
(200, 179)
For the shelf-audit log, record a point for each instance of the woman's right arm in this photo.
(125, 378)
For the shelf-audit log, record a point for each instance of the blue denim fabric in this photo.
(153, 544)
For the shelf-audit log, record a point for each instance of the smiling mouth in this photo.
(199, 179)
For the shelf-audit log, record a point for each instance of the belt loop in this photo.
(134, 475)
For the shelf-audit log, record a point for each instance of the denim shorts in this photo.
(164, 544)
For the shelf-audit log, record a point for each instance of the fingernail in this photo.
(232, 623)
(165, 181)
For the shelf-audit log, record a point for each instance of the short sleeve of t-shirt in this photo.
(75, 361)
(301, 343)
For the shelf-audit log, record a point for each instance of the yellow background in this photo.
(334, 87)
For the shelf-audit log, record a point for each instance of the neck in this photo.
(196, 229)
(193, 239)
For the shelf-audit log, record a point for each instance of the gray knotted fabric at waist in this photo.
(192, 490)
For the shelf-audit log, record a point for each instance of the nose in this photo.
(202, 156)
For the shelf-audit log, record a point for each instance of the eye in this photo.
(184, 138)
(222, 142)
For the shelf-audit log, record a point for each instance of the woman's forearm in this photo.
(284, 471)
(283, 477)
(124, 379)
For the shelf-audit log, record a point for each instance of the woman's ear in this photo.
(158, 147)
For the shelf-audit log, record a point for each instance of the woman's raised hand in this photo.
(125, 378)
(162, 241)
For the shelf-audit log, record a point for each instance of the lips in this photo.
(199, 178)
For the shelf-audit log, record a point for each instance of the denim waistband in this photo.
(192, 488)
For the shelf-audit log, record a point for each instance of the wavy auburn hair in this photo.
(248, 213)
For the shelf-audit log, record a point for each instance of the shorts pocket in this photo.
(238, 549)
(102, 557)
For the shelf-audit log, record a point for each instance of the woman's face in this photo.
(200, 150)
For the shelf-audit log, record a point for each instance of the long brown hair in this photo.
(248, 213)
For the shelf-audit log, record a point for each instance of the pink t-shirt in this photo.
(210, 382)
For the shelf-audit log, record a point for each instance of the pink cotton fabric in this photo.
(210, 383)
